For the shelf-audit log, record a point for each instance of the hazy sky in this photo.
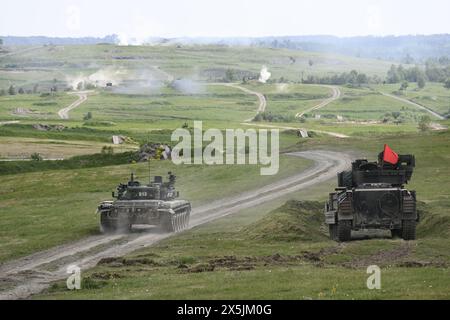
(173, 18)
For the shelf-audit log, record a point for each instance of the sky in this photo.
(139, 19)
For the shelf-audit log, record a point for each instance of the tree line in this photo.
(353, 78)
(436, 70)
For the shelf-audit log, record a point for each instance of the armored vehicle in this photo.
(372, 196)
(154, 204)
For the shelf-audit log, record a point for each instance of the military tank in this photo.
(372, 196)
(155, 203)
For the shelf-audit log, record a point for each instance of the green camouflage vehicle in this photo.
(372, 196)
(152, 204)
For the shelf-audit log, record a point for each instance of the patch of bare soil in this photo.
(24, 112)
(317, 257)
(422, 264)
(120, 262)
(382, 257)
(234, 263)
(106, 275)
(47, 127)
(437, 126)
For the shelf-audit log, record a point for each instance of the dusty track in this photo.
(437, 115)
(261, 98)
(333, 134)
(336, 95)
(8, 122)
(64, 112)
(29, 275)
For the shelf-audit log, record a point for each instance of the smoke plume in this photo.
(264, 75)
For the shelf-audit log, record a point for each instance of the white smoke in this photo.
(142, 81)
(264, 75)
(123, 39)
(282, 87)
(99, 78)
(188, 86)
(140, 32)
(109, 74)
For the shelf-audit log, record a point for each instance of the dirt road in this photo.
(261, 98)
(437, 115)
(9, 122)
(29, 275)
(330, 133)
(336, 95)
(82, 97)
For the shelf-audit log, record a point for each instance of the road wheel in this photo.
(183, 220)
(344, 230)
(333, 231)
(409, 230)
(168, 223)
(178, 222)
(188, 215)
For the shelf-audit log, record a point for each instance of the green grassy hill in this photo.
(278, 250)
(285, 253)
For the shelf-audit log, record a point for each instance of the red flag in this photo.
(389, 155)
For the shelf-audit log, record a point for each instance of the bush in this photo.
(273, 117)
(87, 116)
(107, 150)
(36, 157)
(91, 123)
(447, 83)
(45, 103)
(424, 123)
(11, 90)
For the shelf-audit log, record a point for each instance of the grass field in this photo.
(285, 253)
(22, 148)
(43, 209)
(276, 250)
(366, 104)
(204, 62)
(434, 96)
(33, 106)
(213, 103)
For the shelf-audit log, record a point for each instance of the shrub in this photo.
(36, 157)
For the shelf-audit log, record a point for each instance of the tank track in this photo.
(173, 220)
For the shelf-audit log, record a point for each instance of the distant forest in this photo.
(403, 49)
(409, 49)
